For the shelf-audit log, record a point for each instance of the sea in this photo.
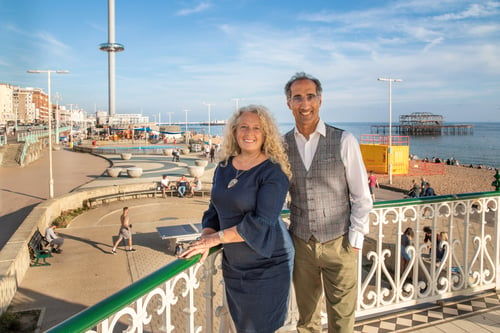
(481, 147)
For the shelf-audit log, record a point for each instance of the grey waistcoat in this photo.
(320, 203)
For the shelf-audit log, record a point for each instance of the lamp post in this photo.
(237, 100)
(71, 116)
(186, 110)
(209, 134)
(57, 97)
(186, 133)
(170, 118)
(389, 151)
(51, 179)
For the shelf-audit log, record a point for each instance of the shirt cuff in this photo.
(356, 239)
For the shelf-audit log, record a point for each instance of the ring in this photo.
(198, 238)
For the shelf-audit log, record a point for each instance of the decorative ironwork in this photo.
(465, 231)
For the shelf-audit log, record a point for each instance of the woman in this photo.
(441, 245)
(406, 241)
(195, 186)
(249, 189)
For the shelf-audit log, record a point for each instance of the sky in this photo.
(183, 55)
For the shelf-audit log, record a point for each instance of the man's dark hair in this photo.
(427, 230)
(302, 76)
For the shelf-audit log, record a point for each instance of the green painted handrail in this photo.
(91, 316)
(437, 198)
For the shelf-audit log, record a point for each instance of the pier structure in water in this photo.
(423, 123)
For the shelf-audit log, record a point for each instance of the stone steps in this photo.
(8, 154)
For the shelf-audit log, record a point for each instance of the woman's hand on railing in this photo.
(201, 246)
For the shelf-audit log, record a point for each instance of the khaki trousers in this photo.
(331, 268)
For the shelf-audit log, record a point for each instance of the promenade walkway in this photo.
(86, 272)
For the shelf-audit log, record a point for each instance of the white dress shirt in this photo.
(356, 176)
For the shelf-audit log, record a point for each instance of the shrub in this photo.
(66, 216)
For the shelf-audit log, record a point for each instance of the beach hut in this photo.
(375, 151)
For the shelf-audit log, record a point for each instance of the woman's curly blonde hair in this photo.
(273, 145)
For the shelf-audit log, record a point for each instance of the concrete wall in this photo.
(14, 256)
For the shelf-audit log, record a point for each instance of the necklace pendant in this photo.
(232, 182)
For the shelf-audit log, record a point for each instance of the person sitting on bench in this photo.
(54, 240)
(182, 185)
(195, 186)
(164, 184)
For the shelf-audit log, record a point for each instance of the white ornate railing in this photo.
(470, 262)
(187, 297)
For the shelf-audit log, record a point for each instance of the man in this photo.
(422, 186)
(164, 183)
(330, 203)
(124, 232)
(428, 190)
(54, 240)
(414, 192)
(182, 186)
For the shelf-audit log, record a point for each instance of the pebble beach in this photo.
(455, 180)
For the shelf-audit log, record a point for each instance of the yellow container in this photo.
(375, 157)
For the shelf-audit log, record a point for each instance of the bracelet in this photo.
(221, 236)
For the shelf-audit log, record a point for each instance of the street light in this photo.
(57, 97)
(237, 100)
(389, 152)
(170, 118)
(209, 135)
(51, 179)
(186, 110)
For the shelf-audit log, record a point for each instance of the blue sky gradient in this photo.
(181, 54)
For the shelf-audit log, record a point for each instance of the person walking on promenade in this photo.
(55, 241)
(428, 190)
(422, 186)
(414, 191)
(249, 190)
(372, 183)
(330, 203)
(212, 154)
(124, 232)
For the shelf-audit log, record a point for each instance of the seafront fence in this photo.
(186, 296)
(36, 134)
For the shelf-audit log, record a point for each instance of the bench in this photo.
(173, 191)
(38, 251)
(153, 192)
(90, 202)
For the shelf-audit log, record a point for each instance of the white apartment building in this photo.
(6, 104)
(29, 104)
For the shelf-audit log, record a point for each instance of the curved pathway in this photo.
(21, 189)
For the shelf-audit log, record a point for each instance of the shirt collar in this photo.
(320, 129)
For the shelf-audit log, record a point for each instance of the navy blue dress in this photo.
(257, 272)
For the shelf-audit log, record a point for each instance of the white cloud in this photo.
(51, 40)
(484, 29)
(433, 43)
(199, 8)
(4, 62)
(474, 11)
